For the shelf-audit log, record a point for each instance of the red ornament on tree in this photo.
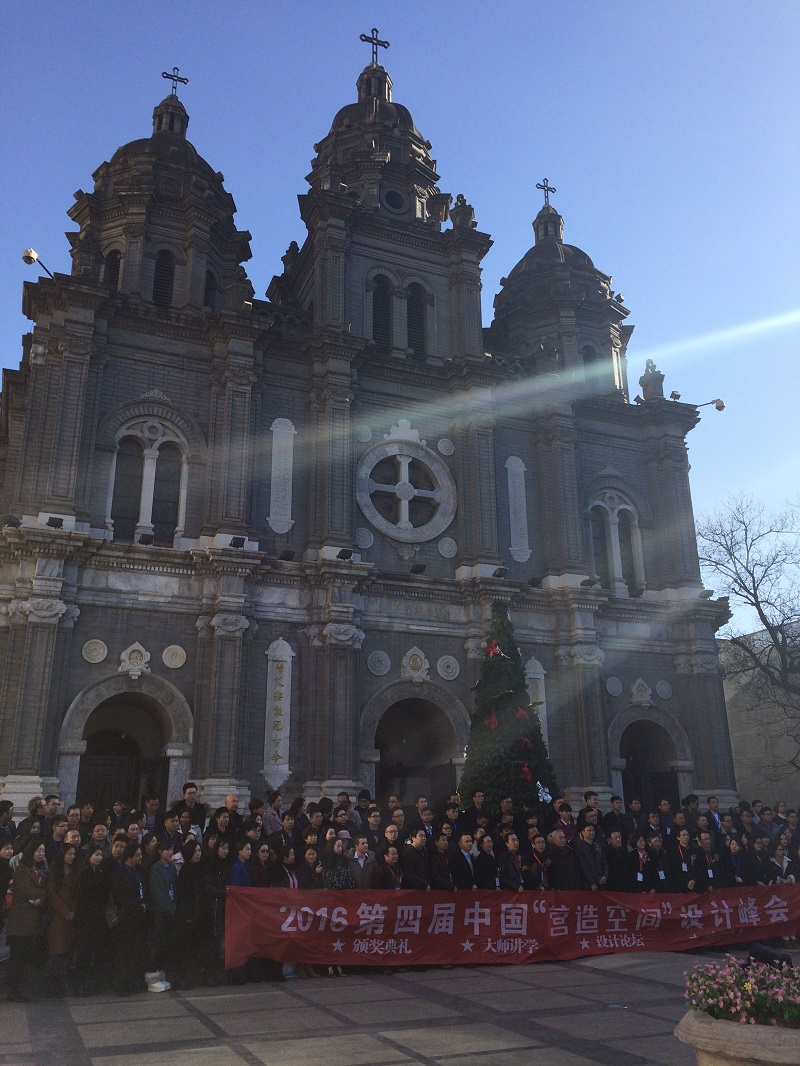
(492, 649)
(525, 773)
(526, 742)
(491, 720)
(521, 714)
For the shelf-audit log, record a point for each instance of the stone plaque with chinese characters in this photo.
(278, 716)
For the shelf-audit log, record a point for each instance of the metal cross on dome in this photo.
(546, 189)
(175, 77)
(375, 41)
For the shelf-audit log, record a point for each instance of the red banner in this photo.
(399, 928)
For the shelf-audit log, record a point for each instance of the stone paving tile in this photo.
(671, 1011)
(407, 1010)
(440, 1040)
(154, 1031)
(291, 1018)
(542, 974)
(606, 1025)
(330, 1051)
(208, 1056)
(660, 1049)
(467, 985)
(162, 1006)
(534, 1057)
(525, 1001)
(240, 1001)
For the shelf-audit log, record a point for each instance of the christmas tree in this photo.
(506, 755)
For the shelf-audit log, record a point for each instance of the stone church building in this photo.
(255, 542)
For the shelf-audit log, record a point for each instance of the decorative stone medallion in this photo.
(447, 547)
(134, 661)
(663, 690)
(446, 446)
(613, 686)
(414, 666)
(363, 434)
(448, 668)
(173, 657)
(94, 651)
(379, 663)
(641, 693)
(364, 539)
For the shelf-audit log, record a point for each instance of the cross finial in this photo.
(375, 41)
(175, 77)
(546, 189)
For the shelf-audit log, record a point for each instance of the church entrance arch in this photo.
(123, 737)
(123, 757)
(413, 737)
(650, 756)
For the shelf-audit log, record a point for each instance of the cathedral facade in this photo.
(255, 543)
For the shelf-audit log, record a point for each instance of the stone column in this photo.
(582, 725)
(477, 486)
(226, 670)
(559, 514)
(330, 464)
(342, 641)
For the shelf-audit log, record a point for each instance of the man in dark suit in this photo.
(415, 862)
(461, 863)
(469, 819)
(440, 858)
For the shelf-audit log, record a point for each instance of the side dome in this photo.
(159, 223)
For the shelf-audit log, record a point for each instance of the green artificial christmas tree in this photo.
(506, 755)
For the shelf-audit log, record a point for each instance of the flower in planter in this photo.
(751, 993)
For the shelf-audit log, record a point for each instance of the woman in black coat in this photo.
(93, 937)
(127, 888)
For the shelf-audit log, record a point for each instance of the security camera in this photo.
(29, 256)
(674, 395)
(719, 405)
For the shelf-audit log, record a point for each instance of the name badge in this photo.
(661, 875)
(640, 876)
(685, 867)
(711, 873)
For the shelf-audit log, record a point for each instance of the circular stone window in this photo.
(394, 200)
(405, 491)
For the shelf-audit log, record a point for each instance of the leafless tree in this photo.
(753, 557)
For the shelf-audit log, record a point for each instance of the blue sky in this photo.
(669, 129)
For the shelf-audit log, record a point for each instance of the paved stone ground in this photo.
(613, 1010)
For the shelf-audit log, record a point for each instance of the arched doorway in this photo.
(418, 748)
(650, 756)
(149, 711)
(124, 757)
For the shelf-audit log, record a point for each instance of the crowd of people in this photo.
(128, 899)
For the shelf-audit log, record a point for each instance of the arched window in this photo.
(600, 545)
(164, 279)
(166, 494)
(382, 314)
(626, 551)
(211, 292)
(113, 264)
(617, 544)
(127, 489)
(416, 320)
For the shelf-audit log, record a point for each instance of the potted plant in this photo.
(742, 1012)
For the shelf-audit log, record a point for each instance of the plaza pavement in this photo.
(612, 1010)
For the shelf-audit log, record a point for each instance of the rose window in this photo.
(405, 491)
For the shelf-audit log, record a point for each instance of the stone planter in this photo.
(720, 1043)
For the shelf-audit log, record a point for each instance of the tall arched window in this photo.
(127, 489)
(600, 546)
(626, 551)
(112, 267)
(382, 314)
(416, 320)
(166, 494)
(164, 279)
(617, 544)
(211, 291)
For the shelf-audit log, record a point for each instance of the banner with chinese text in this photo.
(354, 928)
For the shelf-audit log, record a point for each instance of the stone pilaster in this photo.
(341, 642)
(581, 726)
